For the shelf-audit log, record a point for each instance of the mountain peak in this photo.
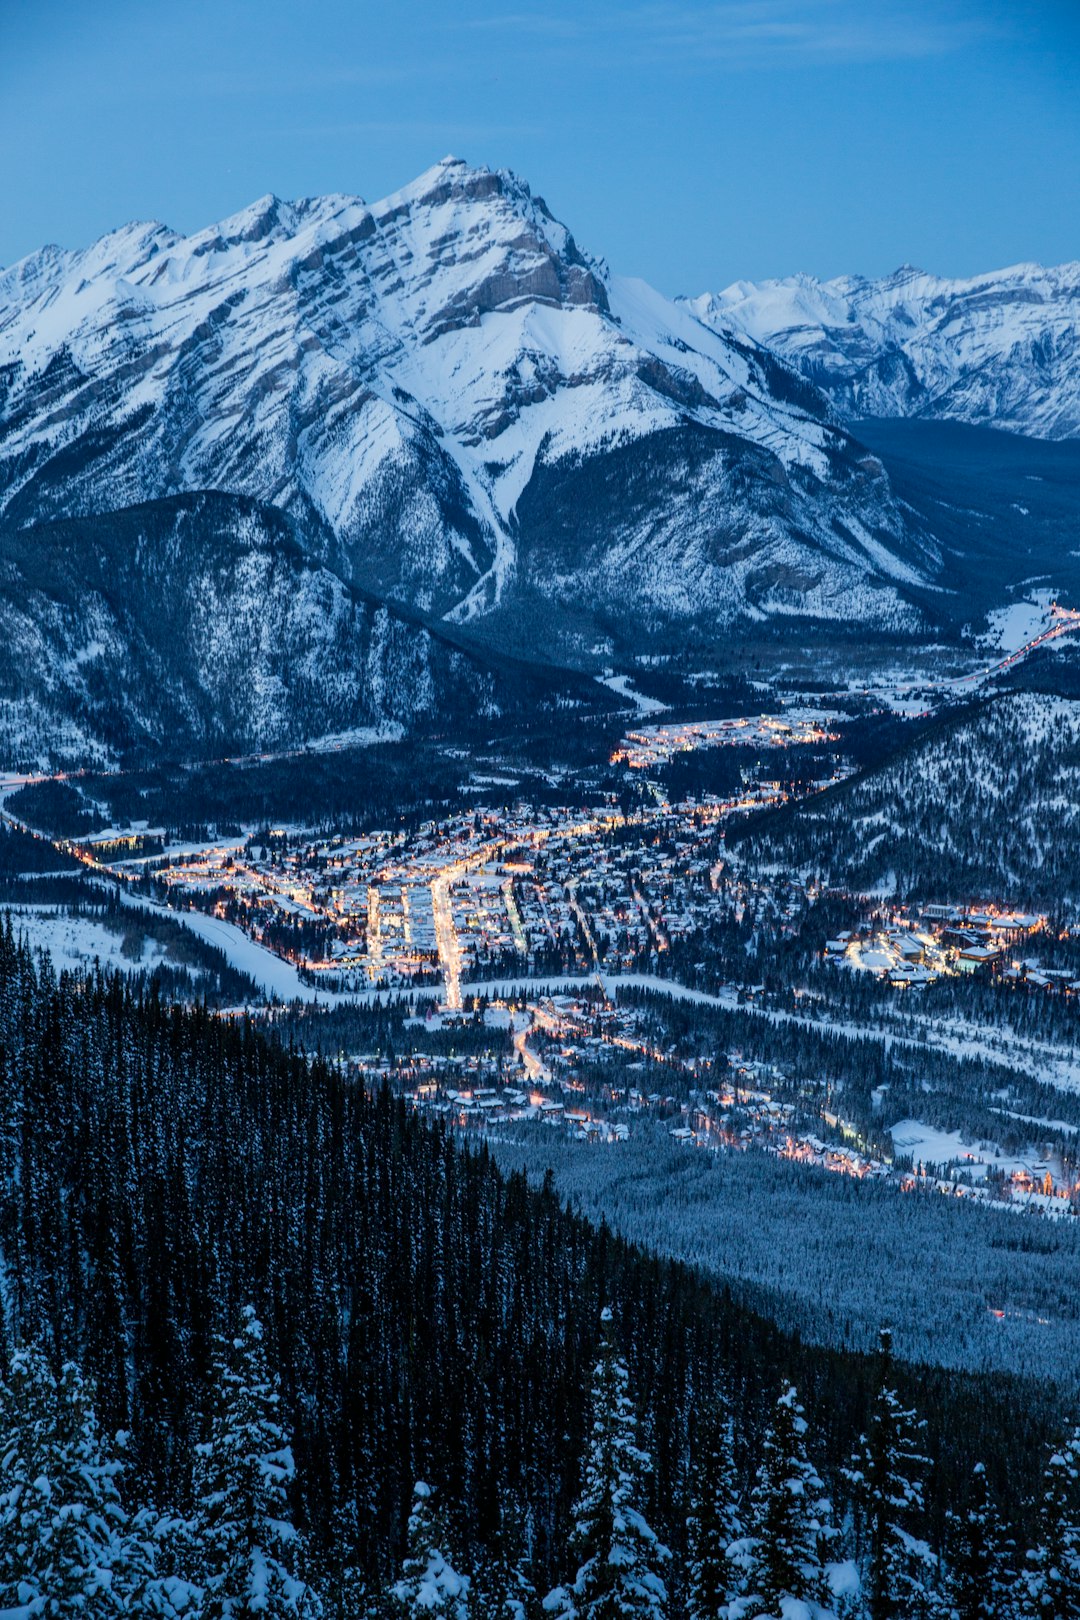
(459, 402)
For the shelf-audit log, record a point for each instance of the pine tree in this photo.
(886, 1478)
(64, 1544)
(713, 1524)
(792, 1529)
(621, 1557)
(1053, 1576)
(978, 1581)
(161, 1556)
(500, 1590)
(430, 1588)
(248, 1548)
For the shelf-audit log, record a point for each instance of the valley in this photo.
(539, 830)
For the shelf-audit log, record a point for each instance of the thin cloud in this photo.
(751, 31)
(439, 131)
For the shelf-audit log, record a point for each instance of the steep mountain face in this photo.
(198, 622)
(465, 412)
(1001, 349)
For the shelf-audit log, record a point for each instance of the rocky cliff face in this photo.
(1001, 350)
(461, 410)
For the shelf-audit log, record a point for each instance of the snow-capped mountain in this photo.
(1001, 349)
(467, 413)
(197, 622)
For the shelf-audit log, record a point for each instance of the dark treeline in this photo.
(21, 853)
(347, 790)
(431, 1318)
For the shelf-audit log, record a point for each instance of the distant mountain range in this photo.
(1000, 350)
(255, 435)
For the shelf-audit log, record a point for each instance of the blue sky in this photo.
(689, 142)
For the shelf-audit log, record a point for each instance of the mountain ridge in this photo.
(200, 623)
(999, 349)
(404, 376)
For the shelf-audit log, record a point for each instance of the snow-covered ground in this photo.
(76, 943)
(621, 685)
(273, 976)
(1010, 628)
(925, 1144)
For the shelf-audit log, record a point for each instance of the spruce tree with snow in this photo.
(792, 1533)
(978, 1581)
(500, 1590)
(64, 1542)
(430, 1588)
(886, 1475)
(161, 1557)
(248, 1549)
(713, 1524)
(621, 1558)
(1052, 1579)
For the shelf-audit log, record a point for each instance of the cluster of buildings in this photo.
(651, 746)
(909, 945)
(482, 895)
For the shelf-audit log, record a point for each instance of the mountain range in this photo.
(463, 408)
(999, 350)
(437, 423)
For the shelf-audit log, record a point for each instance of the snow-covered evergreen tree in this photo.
(1052, 1579)
(500, 1590)
(430, 1588)
(713, 1523)
(249, 1551)
(65, 1546)
(161, 1557)
(978, 1579)
(621, 1558)
(886, 1475)
(792, 1532)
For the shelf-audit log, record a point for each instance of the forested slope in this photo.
(430, 1318)
(984, 807)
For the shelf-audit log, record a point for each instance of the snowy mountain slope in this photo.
(197, 622)
(1001, 349)
(408, 377)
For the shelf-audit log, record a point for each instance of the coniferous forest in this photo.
(354, 1367)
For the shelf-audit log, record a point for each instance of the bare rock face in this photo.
(462, 412)
(1001, 350)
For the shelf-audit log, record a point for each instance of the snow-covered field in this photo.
(1010, 628)
(274, 976)
(76, 943)
(621, 686)
(927, 1145)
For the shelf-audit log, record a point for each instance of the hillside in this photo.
(428, 1316)
(985, 807)
(201, 623)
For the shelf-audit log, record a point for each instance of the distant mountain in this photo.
(462, 410)
(198, 623)
(1000, 350)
